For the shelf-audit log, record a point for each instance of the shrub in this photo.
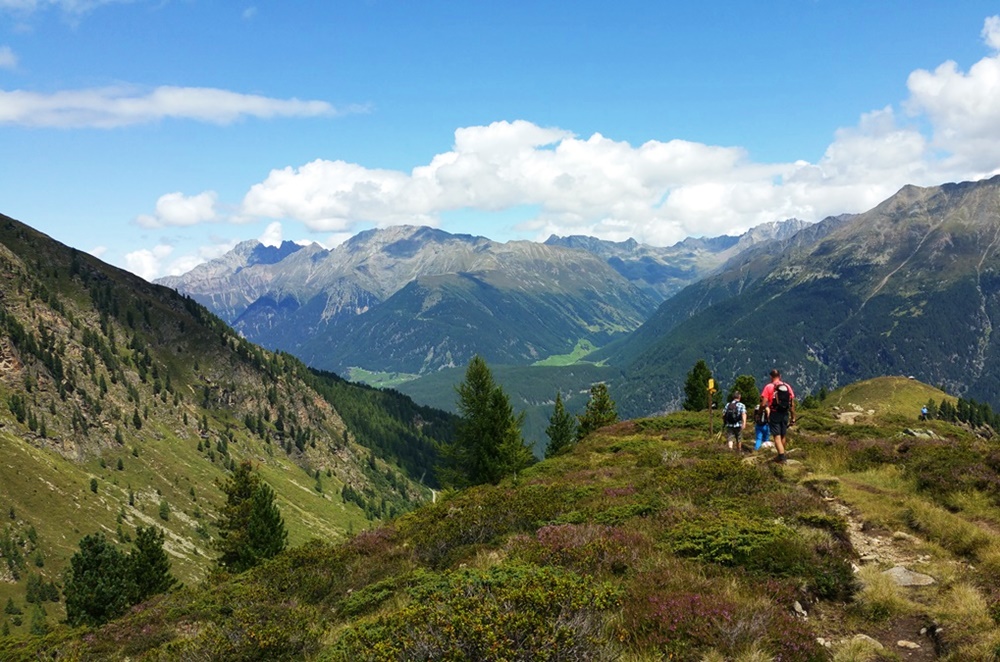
(940, 469)
(685, 625)
(767, 548)
(509, 612)
(585, 548)
(865, 456)
(449, 530)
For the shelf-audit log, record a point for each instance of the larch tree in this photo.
(561, 430)
(488, 443)
(749, 394)
(600, 411)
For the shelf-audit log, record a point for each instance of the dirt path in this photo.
(910, 637)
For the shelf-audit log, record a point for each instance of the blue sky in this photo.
(158, 134)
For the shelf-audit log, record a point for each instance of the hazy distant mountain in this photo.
(417, 299)
(665, 271)
(911, 287)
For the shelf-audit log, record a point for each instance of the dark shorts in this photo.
(734, 433)
(778, 425)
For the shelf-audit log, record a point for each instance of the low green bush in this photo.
(509, 612)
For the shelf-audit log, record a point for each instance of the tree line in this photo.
(489, 444)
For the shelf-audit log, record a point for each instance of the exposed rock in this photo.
(864, 637)
(903, 643)
(905, 577)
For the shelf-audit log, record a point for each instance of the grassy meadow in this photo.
(647, 541)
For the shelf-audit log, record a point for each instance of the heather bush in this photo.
(867, 455)
(940, 469)
(508, 612)
(685, 625)
(453, 529)
(767, 548)
(587, 548)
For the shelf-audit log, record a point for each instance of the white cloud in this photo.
(964, 108)
(111, 107)
(178, 210)
(660, 192)
(8, 59)
(991, 32)
(272, 235)
(98, 251)
(145, 262)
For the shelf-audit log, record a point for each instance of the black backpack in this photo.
(782, 400)
(760, 415)
(731, 415)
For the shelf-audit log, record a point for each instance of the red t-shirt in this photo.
(767, 395)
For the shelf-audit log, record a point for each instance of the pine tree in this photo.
(98, 585)
(561, 430)
(251, 527)
(600, 411)
(696, 387)
(150, 566)
(488, 443)
(747, 386)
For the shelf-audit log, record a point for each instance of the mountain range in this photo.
(414, 300)
(911, 287)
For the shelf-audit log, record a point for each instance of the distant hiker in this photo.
(734, 417)
(923, 413)
(780, 401)
(762, 429)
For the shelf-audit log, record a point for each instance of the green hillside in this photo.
(907, 288)
(125, 404)
(648, 540)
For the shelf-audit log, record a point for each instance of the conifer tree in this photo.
(747, 386)
(488, 443)
(98, 585)
(149, 564)
(600, 411)
(251, 528)
(696, 387)
(561, 430)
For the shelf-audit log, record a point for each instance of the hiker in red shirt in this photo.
(779, 399)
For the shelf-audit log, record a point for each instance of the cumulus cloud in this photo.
(272, 235)
(659, 192)
(8, 59)
(146, 263)
(111, 107)
(178, 210)
(963, 107)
